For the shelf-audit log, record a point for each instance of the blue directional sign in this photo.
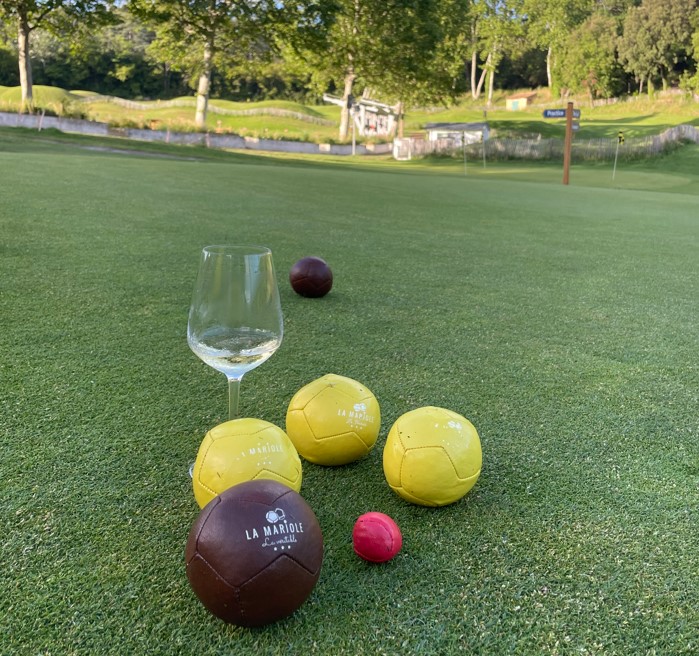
(560, 113)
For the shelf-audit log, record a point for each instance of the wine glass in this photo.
(235, 320)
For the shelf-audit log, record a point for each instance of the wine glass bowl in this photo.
(235, 319)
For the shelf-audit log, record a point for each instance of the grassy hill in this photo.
(44, 97)
(279, 119)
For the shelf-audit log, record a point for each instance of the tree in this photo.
(657, 35)
(500, 31)
(111, 59)
(50, 14)
(338, 42)
(690, 80)
(455, 46)
(9, 73)
(116, 58)
(616, 8)
(549, 24)
(589, 61)
(408, 50)
(403, 62)
(202, 28)
(490, 29)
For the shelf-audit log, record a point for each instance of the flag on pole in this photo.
(620, 140)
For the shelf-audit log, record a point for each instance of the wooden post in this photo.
(568, 143)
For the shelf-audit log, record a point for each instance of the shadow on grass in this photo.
(25, 140)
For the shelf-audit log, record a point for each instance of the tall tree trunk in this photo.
(346, 94)
(491, 84)
(549, 67)
(204, 85)
(477, 92)
(350, 77)
(25, 64)
(166, 77)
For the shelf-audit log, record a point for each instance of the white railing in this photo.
(582, 149)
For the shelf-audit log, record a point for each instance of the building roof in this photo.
(523, 94)
(456, 127)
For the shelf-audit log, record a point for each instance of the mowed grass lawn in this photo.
(562, 321)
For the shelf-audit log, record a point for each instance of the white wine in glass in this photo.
(235, 320)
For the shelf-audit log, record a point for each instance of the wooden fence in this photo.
(213, 109)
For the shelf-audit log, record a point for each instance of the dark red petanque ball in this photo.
(254, 553)
(311, 277)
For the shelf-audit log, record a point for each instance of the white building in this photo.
(459, 133)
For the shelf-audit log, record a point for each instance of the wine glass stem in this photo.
(233, 397)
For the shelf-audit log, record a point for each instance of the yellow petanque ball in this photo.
(333, 420)
(432, 456)
(244, 450)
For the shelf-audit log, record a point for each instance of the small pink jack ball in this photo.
(376, 537)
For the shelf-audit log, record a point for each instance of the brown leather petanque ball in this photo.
(311, 277)
(254, 553)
